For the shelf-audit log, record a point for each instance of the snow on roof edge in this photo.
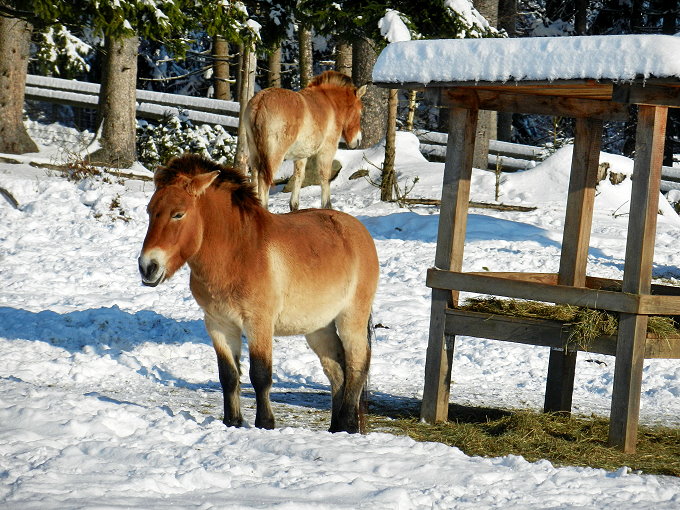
(610, 57)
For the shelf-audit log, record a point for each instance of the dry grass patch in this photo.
(564, 441)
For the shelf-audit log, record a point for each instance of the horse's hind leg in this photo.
(260, 348)
(325, 165)
(298, 176)
(227, 343)
(354, 337)
(327, 345)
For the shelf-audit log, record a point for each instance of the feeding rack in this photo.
(592, 79)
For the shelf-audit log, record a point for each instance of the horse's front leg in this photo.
(260, 348)
(226, 339)
(298, 176)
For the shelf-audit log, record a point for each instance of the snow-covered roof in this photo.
(611, 57)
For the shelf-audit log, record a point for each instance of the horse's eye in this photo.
(178, 216)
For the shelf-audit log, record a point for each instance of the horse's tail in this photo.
(257, 133)
(363, 399)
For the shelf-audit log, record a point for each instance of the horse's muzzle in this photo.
(151, 271)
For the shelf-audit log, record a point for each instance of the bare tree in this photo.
(305, 57)
(220, 54)
(343, 58)
(246, 91)
(15, 39)
(117, 103)
(274, 67)
(507, 20)
(374, 116)
(389, 178)
(486, 125)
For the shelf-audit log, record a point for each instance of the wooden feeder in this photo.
(569, 77)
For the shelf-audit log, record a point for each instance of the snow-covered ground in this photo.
(109, 395)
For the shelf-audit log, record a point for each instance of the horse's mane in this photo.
(332, 78)
(191, 165)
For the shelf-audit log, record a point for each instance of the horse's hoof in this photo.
(267, 423)
(350, 429)
(233, 422)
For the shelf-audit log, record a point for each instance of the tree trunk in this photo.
(15, 40)
(274, 71)
(247, 80)
(117, 104)
(410, 116)
(374, 116)
(486, 124)
(581, 17)
(389, 178)
(220, 53)
(507, 20)
(672, 143)
(343, 58)
(305, 57)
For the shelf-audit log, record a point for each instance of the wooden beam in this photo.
(448, 255)
(593, 89)
(638, 93)
(580, 202)
(507, 101)
(487, 284)
(637, 275)
(574, 257)
(544, 333)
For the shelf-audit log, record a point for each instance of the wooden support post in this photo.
(574, 257)
(449, 255)
(644, 205)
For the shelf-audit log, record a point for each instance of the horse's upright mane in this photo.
(332, 78)
(191, 165)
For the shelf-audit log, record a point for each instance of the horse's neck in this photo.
(230, 239)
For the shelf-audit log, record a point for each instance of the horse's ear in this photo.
(158, 175)
(361, 91)
(201, 182)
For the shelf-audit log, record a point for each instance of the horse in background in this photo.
(283, 124)
(311, 273)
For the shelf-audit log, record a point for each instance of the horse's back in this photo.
(296, 124)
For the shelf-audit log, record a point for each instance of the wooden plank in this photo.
(580, 202)
(592, 282)
(637, 275)
(544, 333)
(569, 88)
(448, 255)
(504, 101)
(662, 348)
(639, 93)
(625, 405)
(487, 284)
(659, 304)
(574, 256)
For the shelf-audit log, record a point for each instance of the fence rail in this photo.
(512, 156)
(154, 105)
(150, 105)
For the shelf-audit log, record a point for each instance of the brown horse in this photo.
(283, 124)
(312, 272)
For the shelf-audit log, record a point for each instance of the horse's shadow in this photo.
(103, 330)
(113, 332)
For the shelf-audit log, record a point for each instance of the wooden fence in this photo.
(509, 157)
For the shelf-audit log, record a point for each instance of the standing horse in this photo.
(283, 124)
(312, 272)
